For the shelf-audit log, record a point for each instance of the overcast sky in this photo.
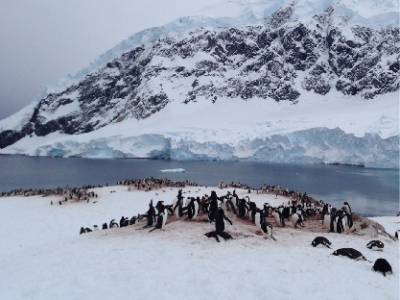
(43, 40)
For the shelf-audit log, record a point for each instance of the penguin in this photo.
(242, 208)
(193, 209)
(252, 210)
(82, 231)
(259, 219)
(105, 226)
(220, 226)
(278, 217)
(132, 221)
(381, 265)
(123, 222)
(150, 215)
(320, 240)
(178, 205)
(113, 224)
(87, 230)
(375, 245)
(212, 207)
(327, 220)
(297, 219)
(161, 220)
(95, 228)
(332, 225)
(350, 253)
(347, 207)
(267, 210)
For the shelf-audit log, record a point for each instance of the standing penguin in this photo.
(265, 227)
(150, 215)
(178, 205)
(220, 226)
(242, 208)
(297, 219)
(212, 207)
(193, 209)
(161, 219)
(278, 217)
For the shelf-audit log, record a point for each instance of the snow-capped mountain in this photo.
(287, 88)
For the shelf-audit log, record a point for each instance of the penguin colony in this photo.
(216, 209)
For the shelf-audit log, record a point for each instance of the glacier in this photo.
(336, 129)
(293, 87)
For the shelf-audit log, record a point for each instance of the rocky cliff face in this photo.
(279, 60)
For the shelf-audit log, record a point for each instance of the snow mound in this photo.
(50, 260)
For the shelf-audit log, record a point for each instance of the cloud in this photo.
(43, 40)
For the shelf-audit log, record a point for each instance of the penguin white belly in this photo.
(345, 223)
(327, 221)
(164, 220)
(257, 220)
(196, 210)
(335, 224)
(276, 217)
(294, 219)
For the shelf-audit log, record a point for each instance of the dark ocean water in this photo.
(371, 192)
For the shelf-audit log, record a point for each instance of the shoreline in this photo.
(326, 164)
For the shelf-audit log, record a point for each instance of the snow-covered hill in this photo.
(305, 82)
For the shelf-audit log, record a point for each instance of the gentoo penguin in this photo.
(113, 224)
(382, 265)
(242, 208)
(347, 207)
(320, 240)
(150, 215)
(278, 217)
(252, 210)
(264, 226)
(297, 219)
(375, 245)
(123, 222)
(326, 216)
(161, 219)
(105, 226)
(178, 205)
(213, 207)
(132, 221)
(350, 253)
(82, 231)
(193, 209)
(220, 226)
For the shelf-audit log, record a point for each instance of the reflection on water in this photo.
(370, 191)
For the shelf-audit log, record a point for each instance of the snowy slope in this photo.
(49, 260)
(307, 84)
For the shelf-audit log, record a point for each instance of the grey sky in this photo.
(43, 40)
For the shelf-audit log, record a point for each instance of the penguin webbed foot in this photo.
(212, 234)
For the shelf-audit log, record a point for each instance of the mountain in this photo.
(320, 88)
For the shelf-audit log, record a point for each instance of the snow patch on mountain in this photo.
(335, 129)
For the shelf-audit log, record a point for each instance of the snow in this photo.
(231, 13)
(391, 224)
(42, 256)
(230, 129)
(17, 120)
(177, 170)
